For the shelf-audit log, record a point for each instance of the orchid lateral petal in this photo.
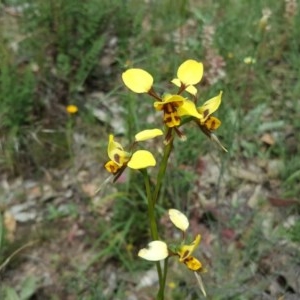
(155, 251)
(176, 81)
(187, 250)
(210, 106)
(190, 89)
(178, 219)
(141, 159)
(137, 80)
(147, 134)
(190, 72)
(189, 109)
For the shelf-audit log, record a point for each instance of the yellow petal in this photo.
(155, 251)
(190, 72)
(187, 250)
(189, 108)
(137, 80)
(176, 81)
(115, 152)
(147, 134)
(72, 109)
(210, 106)
(178, 219)
(190, 89)
(141, 159)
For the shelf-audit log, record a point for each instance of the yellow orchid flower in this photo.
(156, 250)
(207, 122)
(138, 80)
(120, 159)
(209, 107)
(159, 250)
(185, 251)
(116, 152)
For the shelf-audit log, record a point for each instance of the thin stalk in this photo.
(153, 230)
(151, 214)
(165, 272)
(162, 170)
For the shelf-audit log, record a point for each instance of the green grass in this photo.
(70, 49)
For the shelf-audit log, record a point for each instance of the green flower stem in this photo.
(153, 230)
(151, 213)
(164, 276)
(162, 170)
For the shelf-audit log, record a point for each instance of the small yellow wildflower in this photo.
(72, 109)
(172, 285)
(249, 60)
(209, 107)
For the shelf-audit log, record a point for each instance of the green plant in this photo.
(17, 96)
(177, 111)
(26, 290)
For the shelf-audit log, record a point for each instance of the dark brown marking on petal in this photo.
(117, 158)
(174, 108)
(177, 104)
(185, 255)
(205, 113)
(189, 258)
(213, 125)
(168, 108)
(168, 119)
